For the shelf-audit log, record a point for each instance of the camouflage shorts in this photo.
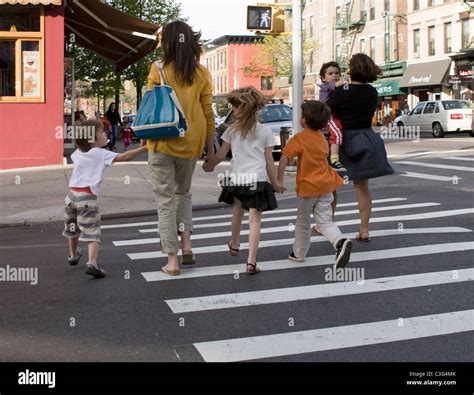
(82, 217)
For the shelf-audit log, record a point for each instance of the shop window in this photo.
(21, 53)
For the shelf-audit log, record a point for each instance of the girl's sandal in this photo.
(254, 267)
(233, 251)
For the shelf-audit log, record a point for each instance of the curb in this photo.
(128, 214)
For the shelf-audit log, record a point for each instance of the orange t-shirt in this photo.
(314, 176)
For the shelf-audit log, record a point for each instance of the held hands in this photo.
(208, 165)
(279, 187)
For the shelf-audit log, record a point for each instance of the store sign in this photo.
(454, 79)
(466, 74)
(387, 88)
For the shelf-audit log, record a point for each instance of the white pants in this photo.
(320, 206)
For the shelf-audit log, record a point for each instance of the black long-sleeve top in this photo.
(354, 106)
(113, 117)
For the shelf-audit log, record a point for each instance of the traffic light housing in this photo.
(266, 18)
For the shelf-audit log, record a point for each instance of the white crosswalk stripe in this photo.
(460, 158)
(344, 335)
(293, 343)
(436, 165)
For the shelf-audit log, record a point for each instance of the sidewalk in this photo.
(32, 196)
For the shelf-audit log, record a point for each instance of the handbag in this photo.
(160, 115)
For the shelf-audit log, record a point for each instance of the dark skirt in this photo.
(363, 154)
(261, 197)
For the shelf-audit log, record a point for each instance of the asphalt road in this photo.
(414, 303)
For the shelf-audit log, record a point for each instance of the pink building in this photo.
(228, 56)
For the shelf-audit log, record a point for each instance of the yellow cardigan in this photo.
(196, 102)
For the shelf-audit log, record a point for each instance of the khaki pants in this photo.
(171, 180)
(320, 206)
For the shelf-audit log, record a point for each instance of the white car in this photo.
(439, 117)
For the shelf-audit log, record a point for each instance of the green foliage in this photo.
(91, 67)
(221, 108)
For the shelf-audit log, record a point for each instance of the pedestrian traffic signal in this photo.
(266, 18)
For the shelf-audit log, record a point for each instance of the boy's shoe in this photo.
(293, 257)
(95, 271)
(343, 252)
(338, 166)
(74, 260)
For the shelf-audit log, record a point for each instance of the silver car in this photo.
(439, 117)
(274, 115)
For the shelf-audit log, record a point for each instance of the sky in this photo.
(216, 18)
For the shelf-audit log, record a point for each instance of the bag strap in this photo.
(159, 65)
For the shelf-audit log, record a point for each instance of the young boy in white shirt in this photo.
(82, 217)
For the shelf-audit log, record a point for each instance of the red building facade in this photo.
(227, 58)
(31, 85)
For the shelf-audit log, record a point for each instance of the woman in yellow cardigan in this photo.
(172, 161)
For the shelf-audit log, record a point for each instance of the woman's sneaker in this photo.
(293, 257)
(343, 252)
(95, 270)
(74, 260)
(338, 166)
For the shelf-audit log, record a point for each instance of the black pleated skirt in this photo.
(260, 196)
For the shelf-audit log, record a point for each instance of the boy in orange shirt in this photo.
(315, 183)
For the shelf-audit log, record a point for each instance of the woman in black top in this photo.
(113, 117)
(363, 152)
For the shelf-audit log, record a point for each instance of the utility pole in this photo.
(297, 73)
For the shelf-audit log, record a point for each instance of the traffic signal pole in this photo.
(297, 74)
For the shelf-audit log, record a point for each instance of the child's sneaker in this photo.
(338, 166)
(74, 260)
(343, 252)
(95, 270)
(293, 257)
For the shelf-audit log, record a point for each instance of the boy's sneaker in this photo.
(338, 166)
(343, 252)
(95, 271)
(293, 257)
(74, 260)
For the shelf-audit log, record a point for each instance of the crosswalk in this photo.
(396, 219)
(447, 169)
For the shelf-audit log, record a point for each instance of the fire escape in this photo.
(349, 29)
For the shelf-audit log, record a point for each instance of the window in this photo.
(267, 83)
(429, 109)
(372, 48)
(372, 10)
(416, 5)
(447, 37)
(431, 3)
(311, 23)
(363, 11)
(362, 45)
(418, 109)
(338, 14)
(386, 6)
(387, 46)
(338, 52)
(431, 41)
(416, 42)
(466, 34)
(21, 53)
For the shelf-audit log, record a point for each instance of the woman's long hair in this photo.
(109, 111)
(249, 101)
(181, 47)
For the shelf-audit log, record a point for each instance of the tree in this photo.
(275, 58)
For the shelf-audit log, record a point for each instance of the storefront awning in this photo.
(388, 87)
(114, 35)
(35, 2)
(425, 74)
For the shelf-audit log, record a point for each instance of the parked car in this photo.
(275, 115)
(439, 117)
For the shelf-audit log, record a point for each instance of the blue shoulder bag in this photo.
(160, 115)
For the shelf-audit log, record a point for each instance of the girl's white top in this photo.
(89, 168)
(248, 155)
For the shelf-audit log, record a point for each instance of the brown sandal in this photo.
(255, 269)
(233, 251)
